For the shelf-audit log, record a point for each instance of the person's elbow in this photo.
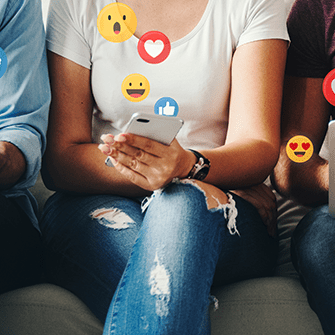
(296, 183)
(268, 158)
(49, 175)
(281, 181)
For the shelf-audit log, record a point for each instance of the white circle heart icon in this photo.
(154, 47)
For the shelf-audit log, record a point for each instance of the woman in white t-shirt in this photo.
(147, 238)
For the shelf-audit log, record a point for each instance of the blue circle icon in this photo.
(166, 106)
(3, 62)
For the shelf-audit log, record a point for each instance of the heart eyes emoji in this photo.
(299, 149)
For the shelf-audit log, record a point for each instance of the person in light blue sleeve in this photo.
(24, 105)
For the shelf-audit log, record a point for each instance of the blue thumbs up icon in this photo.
(166, 106)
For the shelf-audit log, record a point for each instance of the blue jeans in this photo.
(313, 255)
(157, 266)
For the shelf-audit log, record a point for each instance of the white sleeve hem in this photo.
(266, 35)
(69, 54)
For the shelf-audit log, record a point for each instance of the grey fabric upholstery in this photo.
(45, 310)
(264, 306)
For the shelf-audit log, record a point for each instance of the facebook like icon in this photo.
(166, 106)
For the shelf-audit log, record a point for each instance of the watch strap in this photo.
(200, 168)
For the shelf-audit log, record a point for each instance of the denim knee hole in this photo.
(229, 209)
(112, 218)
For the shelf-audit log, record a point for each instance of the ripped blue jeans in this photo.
(151, 272)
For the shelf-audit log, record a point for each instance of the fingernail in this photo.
(109, 162)
(104, 148)
(120, 138)
(107, 138)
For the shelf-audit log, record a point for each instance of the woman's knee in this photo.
(92, 230)
(190, 193)
(180, 212)
(213, 195)
(313, 239)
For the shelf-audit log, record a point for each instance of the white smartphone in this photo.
(160, 128)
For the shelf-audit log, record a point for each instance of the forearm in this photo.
(12, 165)
(308, 186)
(253, 136)
(241, 164)
(81, 169)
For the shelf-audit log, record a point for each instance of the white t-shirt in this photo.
(196, 73)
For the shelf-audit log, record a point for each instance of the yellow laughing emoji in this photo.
(135, 87)
(117, 22)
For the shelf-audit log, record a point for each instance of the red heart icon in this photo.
(305, 146)
(154, 47)
(293, 146)
(328, 87)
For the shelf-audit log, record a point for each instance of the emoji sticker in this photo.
(328, 87)
(135, 87)
(299, 149)
(3, 62)
(154, 47)
(117, 22)
(167, 107)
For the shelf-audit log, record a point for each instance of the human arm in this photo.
(72, 162)
(252, 143)
(262, 197)
(12, 165)
(24, 95)
(305, 112)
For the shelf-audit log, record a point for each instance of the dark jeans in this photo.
(20, 248)
(313, 255)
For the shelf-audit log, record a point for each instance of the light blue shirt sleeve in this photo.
(24, 91)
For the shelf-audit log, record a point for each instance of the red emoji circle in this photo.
(154, 47)
(328, 87)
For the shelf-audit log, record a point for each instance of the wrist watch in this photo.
(200, 169)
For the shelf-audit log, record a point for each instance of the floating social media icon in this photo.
(328, 87)
(299, 149)
(117, 22)
(154, 47)
(3, 62)
(166, 106)
(135, 87)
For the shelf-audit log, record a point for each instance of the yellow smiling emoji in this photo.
(135, 87)
(299, 149)
(117, 22)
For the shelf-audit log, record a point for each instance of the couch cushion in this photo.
(259, 306)
(264, 306)
(45, 309)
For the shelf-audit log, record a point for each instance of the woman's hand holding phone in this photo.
(145, 162)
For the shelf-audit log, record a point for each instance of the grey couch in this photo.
(274, 305)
